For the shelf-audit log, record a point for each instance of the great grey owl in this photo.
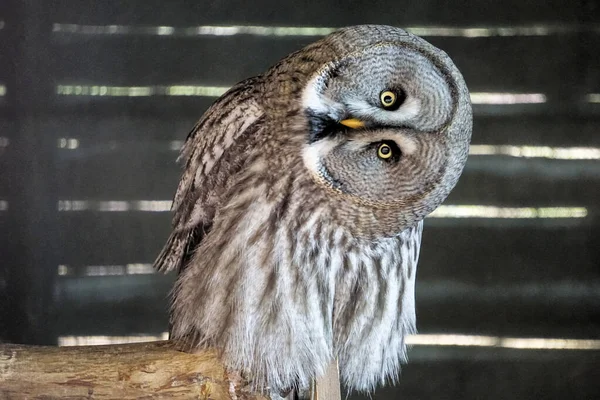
(298, 217)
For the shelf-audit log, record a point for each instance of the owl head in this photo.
(389, 122)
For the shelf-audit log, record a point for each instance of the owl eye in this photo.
(384, 151)
(391, 99)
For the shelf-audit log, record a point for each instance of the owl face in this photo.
(380, 127)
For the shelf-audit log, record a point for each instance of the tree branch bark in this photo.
(155, 370)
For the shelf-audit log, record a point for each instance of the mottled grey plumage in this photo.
(298, 243)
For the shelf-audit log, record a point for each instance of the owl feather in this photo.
(230, 121)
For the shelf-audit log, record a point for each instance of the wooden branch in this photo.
(156, 370)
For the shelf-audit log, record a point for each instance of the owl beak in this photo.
(353, 123)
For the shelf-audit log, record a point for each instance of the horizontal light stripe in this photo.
(300, 31)
(206, 91)
(507, 98)
(153, 205)
(502, 31)
(140, 91)
(114, 205)
(114, 91)
(593, 98)
(68, 143)
(176, 145)
(479, 211)
(503, 342)
(557, 153)
(104, 340)
(3, 205)
(2, 90)
(413, 340)
(202, 30)
(109, 270)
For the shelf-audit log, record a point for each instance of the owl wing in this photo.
(211, 154)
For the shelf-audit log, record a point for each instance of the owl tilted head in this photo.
(388, 118)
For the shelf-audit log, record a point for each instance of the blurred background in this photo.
(97, 96)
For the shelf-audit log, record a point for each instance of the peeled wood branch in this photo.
(156, 370)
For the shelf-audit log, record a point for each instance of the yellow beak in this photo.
(353, 123)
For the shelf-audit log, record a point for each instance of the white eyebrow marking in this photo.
(313, 153)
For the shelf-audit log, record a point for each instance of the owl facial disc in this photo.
(378, 123)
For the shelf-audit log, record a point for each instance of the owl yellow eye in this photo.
(388, 98)
(392, 99)
(384, 151)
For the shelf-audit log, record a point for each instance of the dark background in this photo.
(90, 123)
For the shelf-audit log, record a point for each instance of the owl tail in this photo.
(172, 255)
(179, 248)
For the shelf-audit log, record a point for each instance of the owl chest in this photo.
(315, 267)
(306, 289)
(362, 300)
(363, 289)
